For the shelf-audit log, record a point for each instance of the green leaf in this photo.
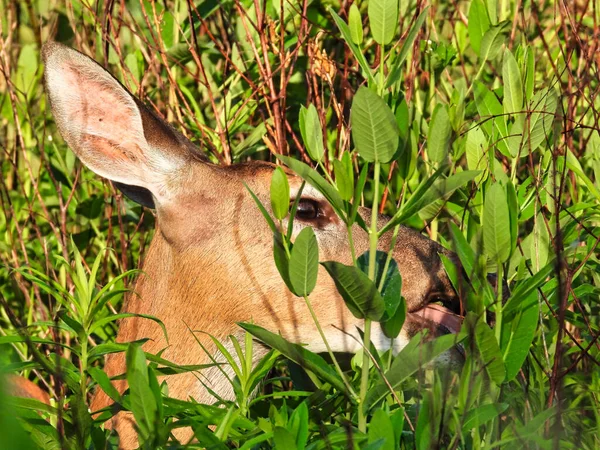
(280, 194)
(392, 327)
(443, 187)
(476, 150)
(283, 439)
(355, 24)
(282, 261)
(344, 177)
(529, 74)
(394, 75)
(383, 19)
(102, 379)
(513, 86)
(358, 291)
(496, 224)
(298, 425)
(414, 204)
(544, 104)
(312, 133)
(304, 262)
(298, 354)
(489, 350)
(142, 401)
(492, 41)
(517, 336)
(262, 209)
(438, 137)
(374, 128)
(412, 357)
(513, 212)
(313, 178)
(381, 429)
(493, 121)
(482, 415)
(521, 297)
(479, 23)
(347, 35)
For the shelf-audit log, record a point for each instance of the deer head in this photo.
(210, 263)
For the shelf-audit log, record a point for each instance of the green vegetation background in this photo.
(508, 87)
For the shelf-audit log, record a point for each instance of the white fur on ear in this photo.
(101, 121)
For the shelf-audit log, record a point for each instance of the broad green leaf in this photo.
(414, 204)
(496, 224)
(492, 41)
(304, 262)
(391, 288)
(102, 379)
(347, 35)
(492, 121)
(407, 45)
(513, 211)
(520, 298)
(131, 61)
(169, 29)
(374, 128)
(381, 429)
(517, 336)
(543, 107)
(359, 293)
(513, 86)
(282, 261)
(476, 149)
(540, 244)
(492, 9)
(355, 24)
(142, 400)
(344, 177)
(383, 19)
(443, 187)
(482, 415)
(479, 23)
(393, 325)
(317, 181)
(438, 137)
(412, 357)
(298, 425)
(312, 133)
(529, 75)
(280, 194)
(298, 354)
(489, 351)
(283, 439)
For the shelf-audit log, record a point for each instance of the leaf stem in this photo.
(331, 355)
(373, 238)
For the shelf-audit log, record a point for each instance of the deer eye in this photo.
(308, 210)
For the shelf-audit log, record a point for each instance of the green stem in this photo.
(373, 237)
(351, 243)
(499, 278)
(331, 355)
(83, 366)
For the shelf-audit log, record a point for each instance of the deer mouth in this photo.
(440, 317)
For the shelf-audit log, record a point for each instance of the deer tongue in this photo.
(441, 316)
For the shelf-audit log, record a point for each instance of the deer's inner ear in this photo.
(107, 128)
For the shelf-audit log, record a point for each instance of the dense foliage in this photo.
(474, 121)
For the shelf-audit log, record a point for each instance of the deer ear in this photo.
(109, 129)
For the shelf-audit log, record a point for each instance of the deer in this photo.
(210, 265)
